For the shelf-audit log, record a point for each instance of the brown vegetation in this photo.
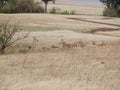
(63, 59)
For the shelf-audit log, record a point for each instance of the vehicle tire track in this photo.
(80, 19)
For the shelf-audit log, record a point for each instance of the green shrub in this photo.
(53, 11)
(59, 11)
(110, 12)
(73, 12)
(38, 8)
(22, 6)
(6, 9)
(65, 12)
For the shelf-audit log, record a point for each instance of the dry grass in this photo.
(44, 41)
(46, 22)
(83, 8)
(79, 62)
(88, 68)
(63, 59)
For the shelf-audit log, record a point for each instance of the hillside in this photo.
(63, 52)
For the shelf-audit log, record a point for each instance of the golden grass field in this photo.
(68, 52)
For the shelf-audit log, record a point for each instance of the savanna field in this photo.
(63, 52)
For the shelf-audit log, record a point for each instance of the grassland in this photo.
(68, 52)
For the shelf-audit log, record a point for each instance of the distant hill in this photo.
(82, 0)
(87, 0)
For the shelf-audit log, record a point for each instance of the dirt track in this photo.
(80, 19)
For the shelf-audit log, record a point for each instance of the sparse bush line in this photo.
(63, 12)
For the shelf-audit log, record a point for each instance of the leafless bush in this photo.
(7, 35)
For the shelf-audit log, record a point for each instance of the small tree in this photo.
(23, 6)
(7, 34)
(46, 3)
(106, 2)
(2, 3)
(112, 6)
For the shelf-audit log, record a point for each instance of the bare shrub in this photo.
(7, 35)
